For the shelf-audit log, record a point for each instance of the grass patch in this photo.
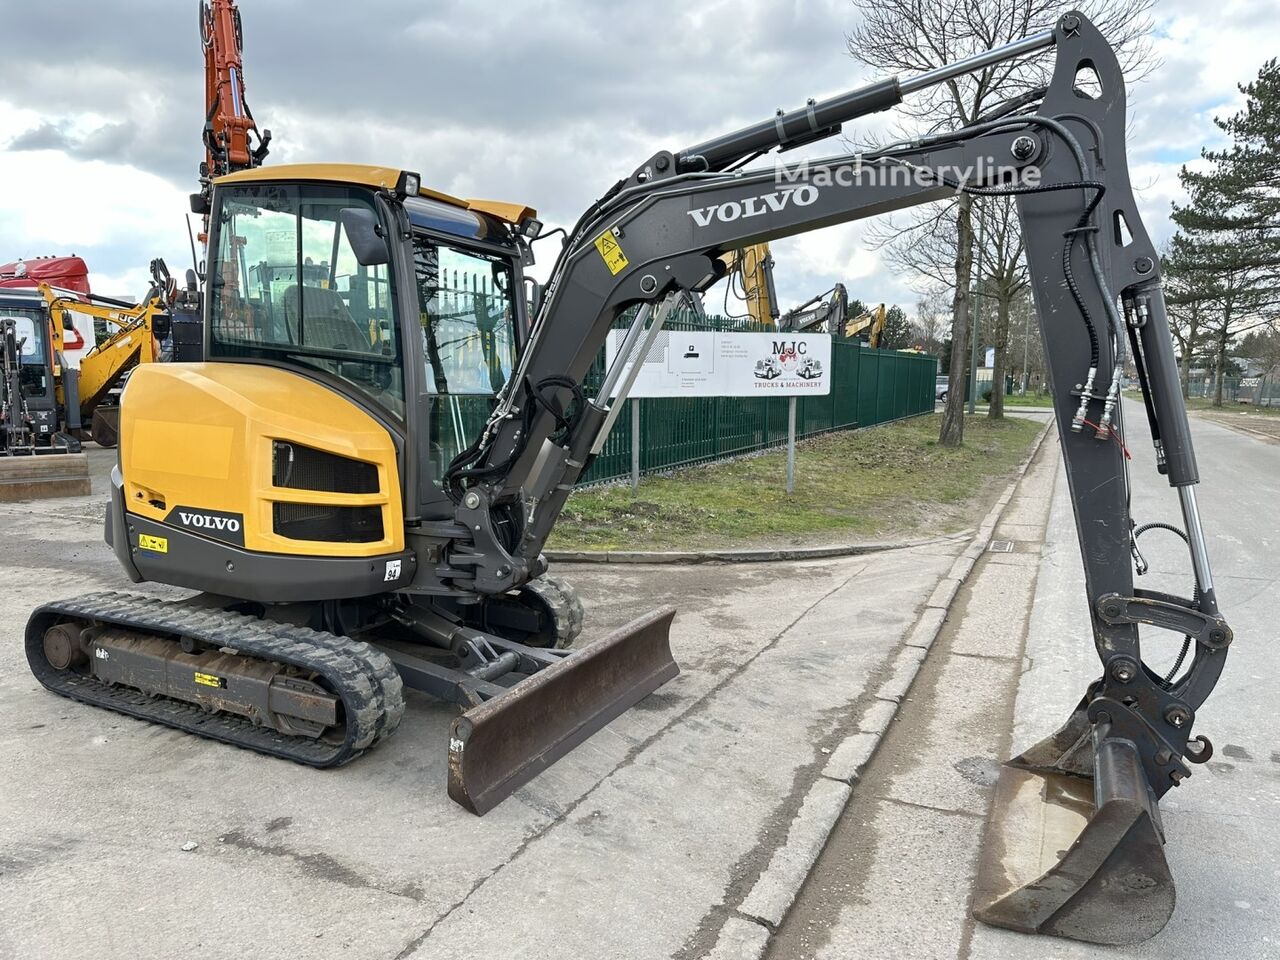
(1028, 400)
(893, 480)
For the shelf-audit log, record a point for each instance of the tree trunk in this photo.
(996, 410)
(952, 433)
(1220, 355)
(1185, 365)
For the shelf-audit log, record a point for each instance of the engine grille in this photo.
(330, 524)
(305, 468)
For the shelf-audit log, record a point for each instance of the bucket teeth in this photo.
(1073, 856)
(502, 744)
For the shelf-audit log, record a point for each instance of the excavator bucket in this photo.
(1074, 846)
(502, 744)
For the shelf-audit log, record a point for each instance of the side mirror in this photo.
(365, 236)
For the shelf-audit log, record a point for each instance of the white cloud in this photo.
(537, 102)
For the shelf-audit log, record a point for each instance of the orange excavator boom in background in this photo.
(232, 140)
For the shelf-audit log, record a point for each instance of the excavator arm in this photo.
(661, 235)
(230, 131)
(752, 269)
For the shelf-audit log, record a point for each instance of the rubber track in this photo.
(363, 677)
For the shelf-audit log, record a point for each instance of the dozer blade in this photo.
(502, 744)
(1075, 857)
(37, 477)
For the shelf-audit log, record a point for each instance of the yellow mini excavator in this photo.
(360, 477)
(137, 334)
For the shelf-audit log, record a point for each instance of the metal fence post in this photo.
(791, 444)
(635, 446)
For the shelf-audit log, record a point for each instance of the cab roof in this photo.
(380, 178)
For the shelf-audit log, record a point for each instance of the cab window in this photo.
(29, 326)
(287, 286)
(466, 313)
(465, 309)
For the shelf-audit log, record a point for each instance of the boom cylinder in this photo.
(820, 119)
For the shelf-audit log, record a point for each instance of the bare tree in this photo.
(1026, 352)
(1001, 256)
(999, 275)
(931, 320)
(908, 36)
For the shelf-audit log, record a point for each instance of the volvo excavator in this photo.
(360, 478)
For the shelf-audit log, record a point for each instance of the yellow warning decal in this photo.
(154, 544)
(612, 253)
(210, 680)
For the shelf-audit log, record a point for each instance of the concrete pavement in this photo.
(896, 877)
(121, 839)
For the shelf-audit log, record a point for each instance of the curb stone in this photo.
(768, 901)
(746, 556)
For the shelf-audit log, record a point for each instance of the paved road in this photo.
(897, 874)
(637, 845)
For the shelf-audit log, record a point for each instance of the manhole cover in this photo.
(1001, 546)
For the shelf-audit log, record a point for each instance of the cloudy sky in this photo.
(546, 101)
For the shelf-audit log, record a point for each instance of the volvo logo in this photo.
(776, 202)
(220, 525)
(206, 521)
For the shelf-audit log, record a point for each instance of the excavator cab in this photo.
(29, 389)
(304, 276)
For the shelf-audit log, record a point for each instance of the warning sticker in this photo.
(612, 253)
(154, 544)
(210, 680)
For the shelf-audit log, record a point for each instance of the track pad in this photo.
(502, 744)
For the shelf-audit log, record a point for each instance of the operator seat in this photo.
(323, 319)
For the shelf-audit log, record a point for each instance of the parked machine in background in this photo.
(39, 452)
(825, 312)
(69, 274)
(163, 326)
(346, 546)
(750, 279)
(30, 412)
(868, 325)
(231, 137)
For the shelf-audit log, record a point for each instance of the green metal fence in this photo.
(867, 387)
